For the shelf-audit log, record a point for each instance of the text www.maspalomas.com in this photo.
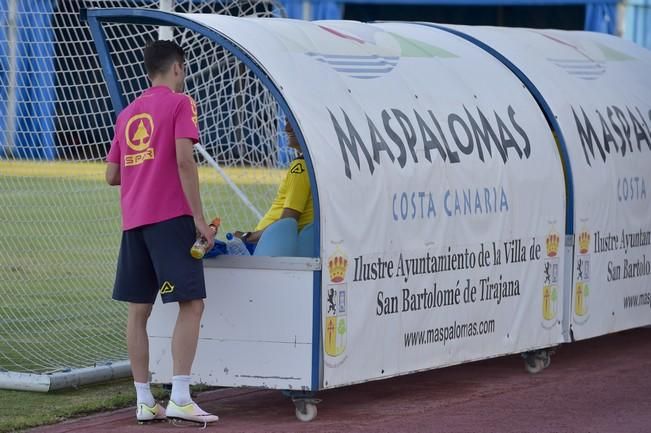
(641, 300)
(447, 333)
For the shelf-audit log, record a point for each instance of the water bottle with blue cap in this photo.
(235, 246)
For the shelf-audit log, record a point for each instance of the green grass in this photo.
(59, 239)
(21, 410)
(57, 253)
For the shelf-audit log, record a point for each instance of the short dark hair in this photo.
(160, 55)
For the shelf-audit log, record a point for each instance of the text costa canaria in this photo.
(466, 201)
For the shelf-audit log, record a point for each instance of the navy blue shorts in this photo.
(156, 258)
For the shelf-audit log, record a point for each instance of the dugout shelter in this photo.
(443, 163)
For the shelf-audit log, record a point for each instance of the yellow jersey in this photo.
(294, 193)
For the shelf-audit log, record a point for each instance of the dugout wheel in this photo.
(305, 404)
(537, 361)
(546, 357)
(305, 409)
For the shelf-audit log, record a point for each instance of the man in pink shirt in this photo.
(152, 159)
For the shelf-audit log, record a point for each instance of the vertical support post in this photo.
(12, 36)
(166, 33)
(237, 122)
(568, 289)
(110, 76)
(620, 21)
(307, 10)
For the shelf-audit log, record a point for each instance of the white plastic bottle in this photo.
(235, 246)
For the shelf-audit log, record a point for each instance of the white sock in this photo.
(181, 390)
(144, 394)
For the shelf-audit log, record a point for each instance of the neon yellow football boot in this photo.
(146, 413)
(189, 412)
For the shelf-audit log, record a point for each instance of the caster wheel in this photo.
(533, 364)
(546, 359)
(307, 412)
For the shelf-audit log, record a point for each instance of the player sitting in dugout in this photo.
(293, 199)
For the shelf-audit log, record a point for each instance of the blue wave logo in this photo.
(583, 69)
(365, 52)
(583, 65)
(362, 67)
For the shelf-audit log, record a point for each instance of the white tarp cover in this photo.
(441, 193)
(599, 88)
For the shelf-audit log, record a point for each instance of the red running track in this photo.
(599, 385)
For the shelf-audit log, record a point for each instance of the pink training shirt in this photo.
(145, 147)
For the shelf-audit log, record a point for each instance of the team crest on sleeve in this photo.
(195, 113)
(138, 134)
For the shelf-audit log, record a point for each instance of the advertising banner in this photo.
(441, 193)
(599, 90)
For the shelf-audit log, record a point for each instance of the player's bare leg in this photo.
(138, 347)
(186, 335)
(138, 341)
(184, 347)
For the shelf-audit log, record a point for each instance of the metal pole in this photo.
(620, 20)
(67, 379)
(307, 10)
(568, 289)
(166, 33)
(12, 37)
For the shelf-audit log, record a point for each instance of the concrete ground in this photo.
(599, 385)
